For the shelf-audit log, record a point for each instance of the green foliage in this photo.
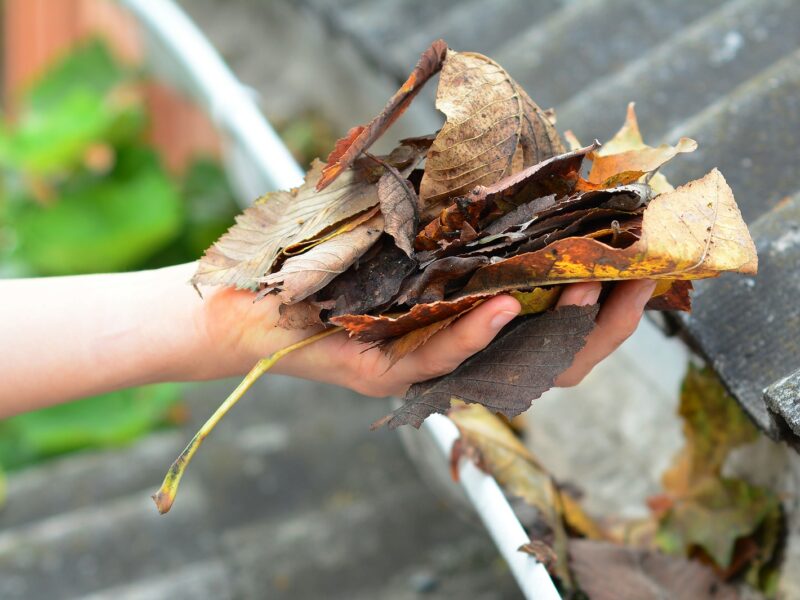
(81, 192)
(101, 223)
(80, 102)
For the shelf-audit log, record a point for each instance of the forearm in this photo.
(68, 337)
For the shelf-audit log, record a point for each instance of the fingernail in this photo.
(591, 295)
(645, 292)
(501, 319)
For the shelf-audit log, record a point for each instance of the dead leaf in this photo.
(702, 511)
(371, 328)
(483, 436)
(555, 176)
(302, 275)
(537, 300)
(248, 250)
(626, 158)
(397, 348)
(372, 282)
(671, 294)
(517, 367)
(398, 202)
(300, 315)
(493, 130)
(694, 232)
(430, 285)
(360, 138)
(607, 571)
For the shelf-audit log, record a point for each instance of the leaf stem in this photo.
(165, 496)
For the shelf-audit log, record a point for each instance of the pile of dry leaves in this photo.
(395, 248)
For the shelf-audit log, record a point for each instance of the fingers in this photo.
(466, 336)
(618, 319)
(580, 294)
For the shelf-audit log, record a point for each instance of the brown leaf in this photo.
(248, 250)
(520, 364)
(371, 283)
(304, 274)
(509, 461)
(300, 315)
(701, 508)
(360, 138)
(430, 285)
(493, 130)
(398, 202)
(671, 294)
(555, 176)
(694, 232)
(626, 158)
(397, 348)
(370, 328)
(607, 571)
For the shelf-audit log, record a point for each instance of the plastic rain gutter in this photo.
(232, 107)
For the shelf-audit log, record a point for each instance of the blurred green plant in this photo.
(81, 191)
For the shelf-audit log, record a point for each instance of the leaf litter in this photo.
(393, 253)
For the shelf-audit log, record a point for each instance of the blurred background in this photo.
(108, 165)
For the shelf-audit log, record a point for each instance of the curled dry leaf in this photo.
(693, 232)
(626, 158)
(372, 328)
(398, 202)
(248, 250)
(517, 367)
(360, 138)
(493, 130)
(300, 315)
(304, 274)
(607, 571)
(372, 282)
(484, 436)
(431, 284)
(555, 176)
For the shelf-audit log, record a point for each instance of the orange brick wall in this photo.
(37, 31)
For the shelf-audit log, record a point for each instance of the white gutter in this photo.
(231, 106)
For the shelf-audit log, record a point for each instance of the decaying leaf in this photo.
(607, 571)
(431, 284)
(304, 274)
(372, 282)
(693, 232)
(702, 511)
(493, 130)
(485, 437)
(626, 158)
(554, 177)
(360, 138)
(517, 367)
(398, 202)
(300, 315)
(247, 252)
(371, 328)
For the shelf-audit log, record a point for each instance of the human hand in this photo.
(243, 332)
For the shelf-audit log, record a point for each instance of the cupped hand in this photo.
(241, 332)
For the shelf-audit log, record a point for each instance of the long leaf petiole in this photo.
(165, 496)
